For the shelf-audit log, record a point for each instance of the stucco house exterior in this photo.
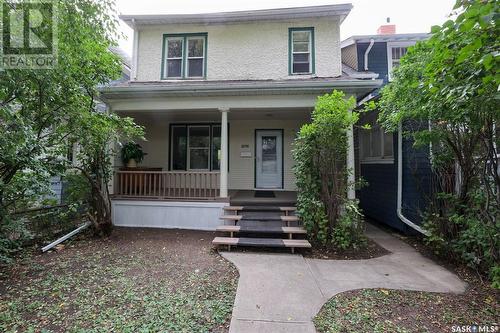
(221, 97)
(398, 176)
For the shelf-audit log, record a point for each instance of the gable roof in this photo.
(341, 10)
(384, 38)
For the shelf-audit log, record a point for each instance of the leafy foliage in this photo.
(451, 82)
(320, 153)
(44, 112)
(103, 131)
(132, 150)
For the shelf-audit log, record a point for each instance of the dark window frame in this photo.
(186, 125)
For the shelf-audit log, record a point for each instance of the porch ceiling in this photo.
(214, 115)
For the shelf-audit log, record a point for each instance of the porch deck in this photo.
(247, 197)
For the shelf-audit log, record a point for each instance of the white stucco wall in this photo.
(245, 51)
(241, 132)
(167, 214)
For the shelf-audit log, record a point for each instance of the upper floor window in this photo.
(301, 51)
(184, 56)
(396, 51)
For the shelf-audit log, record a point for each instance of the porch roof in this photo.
(133, 89)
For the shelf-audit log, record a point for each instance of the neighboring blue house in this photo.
(394, 195)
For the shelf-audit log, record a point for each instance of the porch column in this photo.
(351, 192)
(224, 153)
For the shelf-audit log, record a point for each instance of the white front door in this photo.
(269, 159)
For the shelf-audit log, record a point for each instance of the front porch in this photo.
(212, 144)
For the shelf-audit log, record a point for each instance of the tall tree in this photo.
(451, 83)
(44, 111)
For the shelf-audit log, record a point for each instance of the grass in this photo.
(107, 286)
(382, 310)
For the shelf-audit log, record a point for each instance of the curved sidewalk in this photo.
(283, 293)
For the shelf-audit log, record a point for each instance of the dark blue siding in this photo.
(417, 180)
(377, 59)
(378, 198)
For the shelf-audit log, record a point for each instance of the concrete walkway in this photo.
(283, 293)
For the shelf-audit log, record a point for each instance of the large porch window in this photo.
(195, 147)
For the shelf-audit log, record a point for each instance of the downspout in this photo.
(400, 185)
(372, 41)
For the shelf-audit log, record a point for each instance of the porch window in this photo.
(184, 56)
(198, 147)
(376, 146)
(301, 50)
(195, 147)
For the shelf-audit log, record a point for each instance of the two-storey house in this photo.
(398, 176)
(221, 97)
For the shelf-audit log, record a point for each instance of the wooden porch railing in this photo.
(167, 184)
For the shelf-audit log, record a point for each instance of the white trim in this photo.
(390, 45)
(340, 10)
(224, 160)
(385, 38)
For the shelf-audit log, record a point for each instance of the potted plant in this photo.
(132, 154)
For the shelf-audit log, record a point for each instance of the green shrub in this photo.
(320, 154)
(464, 233)
(349, 230)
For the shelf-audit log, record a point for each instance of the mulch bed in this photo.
(136, 280)
(371, 250)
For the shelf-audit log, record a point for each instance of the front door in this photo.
(269, 159)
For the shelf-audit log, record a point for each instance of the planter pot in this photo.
(131, 163)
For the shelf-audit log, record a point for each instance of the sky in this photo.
(365, 17)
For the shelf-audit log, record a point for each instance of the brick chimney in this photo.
(387, 29)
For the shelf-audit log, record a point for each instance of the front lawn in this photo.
(138, 280)
(382, 310)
